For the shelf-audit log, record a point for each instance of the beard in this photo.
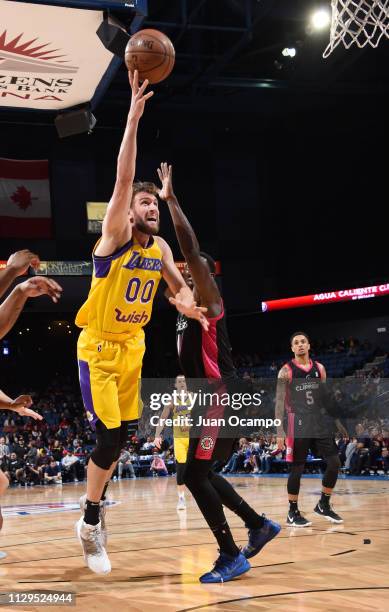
(142, 227)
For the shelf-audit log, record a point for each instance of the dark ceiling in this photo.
(227, 45)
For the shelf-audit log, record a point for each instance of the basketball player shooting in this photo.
(300, 402)
(206, 354)
(128, 262)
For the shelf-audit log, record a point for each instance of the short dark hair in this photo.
(210, 261)
(298, 333)
(146, 186)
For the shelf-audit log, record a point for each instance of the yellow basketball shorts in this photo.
(181, 446)
(110, 374)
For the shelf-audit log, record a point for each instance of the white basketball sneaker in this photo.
(181, 505)
(102, 513)
(95, 554)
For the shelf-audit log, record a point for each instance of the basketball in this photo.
(151, 53)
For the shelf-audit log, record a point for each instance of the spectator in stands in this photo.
(32, 453)
(56, 450)
(255, 444)
(362, 434)
(4, 448)
(352, 347)
(149, 444)
(249, 463)
(20, 449)
(125, 465)
(270, 452)
(359, 459)
(52, 473)
(158, 467)
(375, 453)
(69, 466)
(16, 469)
(350, 449)
(76, 444)
(32, 474)
(385, 438)
(236, 459)
(35, 433)
(384, 460)
(42, 461)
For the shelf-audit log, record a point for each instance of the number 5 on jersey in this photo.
(310, 399)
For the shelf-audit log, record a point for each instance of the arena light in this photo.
(289, 52)
(320, 19)
(328, 297)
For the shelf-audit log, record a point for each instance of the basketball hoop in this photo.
(358, 22)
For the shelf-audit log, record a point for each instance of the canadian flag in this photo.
(25, 209)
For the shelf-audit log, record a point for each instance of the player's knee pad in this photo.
(294, 479)
(107, 449)
(331, 474)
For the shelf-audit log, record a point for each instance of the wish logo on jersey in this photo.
(45, 508)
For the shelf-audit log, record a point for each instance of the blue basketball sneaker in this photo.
(226, 568)
(259, 537)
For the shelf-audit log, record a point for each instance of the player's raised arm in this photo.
(117, 228)
(183, 298)
(282, 383)
(11, 308)
(17, 265)
(198, 266)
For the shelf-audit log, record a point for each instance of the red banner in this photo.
(328, 297)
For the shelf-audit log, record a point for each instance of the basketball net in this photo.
(358, 22)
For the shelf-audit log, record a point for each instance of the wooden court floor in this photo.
(158, 553)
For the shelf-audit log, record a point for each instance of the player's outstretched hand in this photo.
(187, 306)
(27, 412)
(165, 173)
(158, 443)
(139, 97)
(23, 401)
(22, 404)
(20, 261)
(34, 287)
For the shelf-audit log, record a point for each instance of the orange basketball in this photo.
(151, 53)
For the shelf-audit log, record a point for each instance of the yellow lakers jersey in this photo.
(181, 409)
(123, 287)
